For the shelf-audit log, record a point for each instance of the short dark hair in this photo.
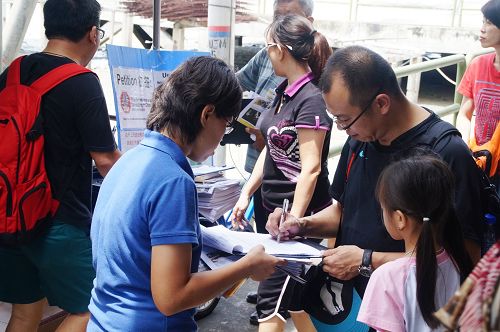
(363, 71)
(200, 81)
(491, 11)
(70, 19)
(305, 44)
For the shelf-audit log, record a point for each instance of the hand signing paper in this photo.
(290, 228)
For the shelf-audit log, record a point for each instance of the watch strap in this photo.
(367, 258)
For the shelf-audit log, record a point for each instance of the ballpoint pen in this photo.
(283, 216)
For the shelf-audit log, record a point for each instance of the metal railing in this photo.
(453, 10)
(457, 59)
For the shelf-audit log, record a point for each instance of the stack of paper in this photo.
(205, 172)
(216, 196)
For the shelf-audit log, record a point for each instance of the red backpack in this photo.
(26, 202)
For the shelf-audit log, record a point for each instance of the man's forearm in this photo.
(322, 224)
(380, 258)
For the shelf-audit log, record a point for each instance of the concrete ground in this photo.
(232, 314)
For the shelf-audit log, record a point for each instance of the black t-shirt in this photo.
(362, 223)
(75, 122)
(304, 109)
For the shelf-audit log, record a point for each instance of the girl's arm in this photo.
(310, 147)
(175, 288)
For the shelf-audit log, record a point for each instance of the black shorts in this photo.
(278, 294)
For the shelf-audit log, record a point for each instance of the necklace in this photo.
(410, 252)
(57, 55)
(54, 54)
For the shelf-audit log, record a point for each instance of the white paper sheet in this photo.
(221, 238)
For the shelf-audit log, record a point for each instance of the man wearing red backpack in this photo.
(55, 265)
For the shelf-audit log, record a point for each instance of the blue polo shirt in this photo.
(148, 198)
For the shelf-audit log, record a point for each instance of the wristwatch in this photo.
(365, 269)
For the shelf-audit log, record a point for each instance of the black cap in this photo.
(332, 302)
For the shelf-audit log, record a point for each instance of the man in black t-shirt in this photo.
(361, 92)
(57, 266)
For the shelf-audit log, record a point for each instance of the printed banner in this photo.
(135, 73)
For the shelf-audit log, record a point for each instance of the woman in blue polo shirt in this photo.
(293, 165)
(146, 239)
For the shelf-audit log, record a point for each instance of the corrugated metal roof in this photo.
(184, 10)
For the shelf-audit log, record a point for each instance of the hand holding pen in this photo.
(284, 225)
(283, 217)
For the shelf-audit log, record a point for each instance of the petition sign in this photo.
(135, 73)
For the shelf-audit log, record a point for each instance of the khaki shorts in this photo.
(57, 265)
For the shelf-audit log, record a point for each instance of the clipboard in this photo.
(294, 270)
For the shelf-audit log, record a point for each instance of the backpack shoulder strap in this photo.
(48, 81)
(14, 72)
(437, 132)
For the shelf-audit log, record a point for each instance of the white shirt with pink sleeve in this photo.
(390, 300)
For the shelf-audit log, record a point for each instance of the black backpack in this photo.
(490, 201)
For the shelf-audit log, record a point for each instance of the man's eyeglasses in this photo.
(367, 107)
(229, 126)
(101, 32)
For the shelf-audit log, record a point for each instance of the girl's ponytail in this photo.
(453, 243)
(446, 227)
(426, 272)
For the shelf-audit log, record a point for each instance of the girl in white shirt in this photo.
(416, 196)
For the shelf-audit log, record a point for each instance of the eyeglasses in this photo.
(345, 127)
(229, 126)
(101, 32)
(269, 45)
